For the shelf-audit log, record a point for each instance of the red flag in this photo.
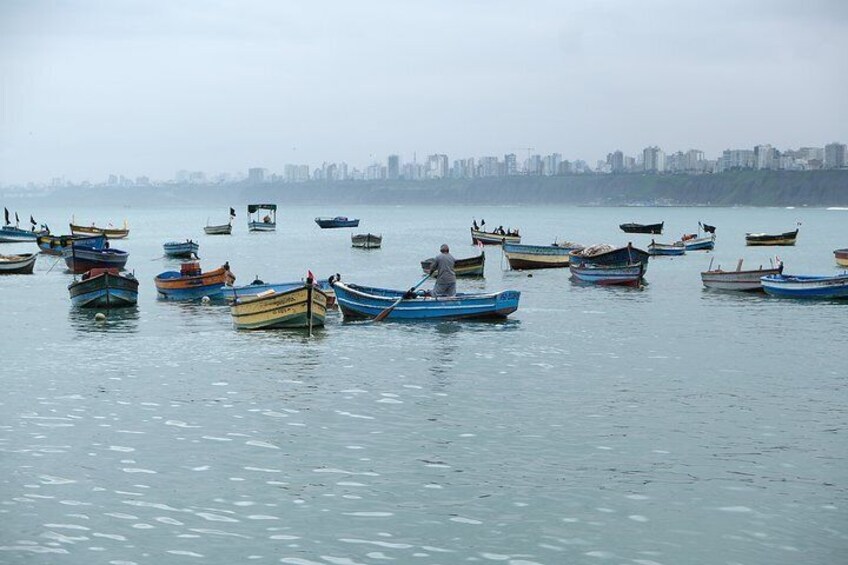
(309, 275)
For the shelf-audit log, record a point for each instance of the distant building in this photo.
(550, 165)
(737, 159)
(489, 166)
(256, 175)
(393, 168)
(615, 160)
(437, 166)
(765, 157)
(533, 165)
(653, 160)
(510, 164)
(834, 156)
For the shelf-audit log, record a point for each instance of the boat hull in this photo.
(104, 290)
(111, 233)
(663, 249)
(699, 243)
(841, 256)
(783, 239)
(172, 285)
(488, 238)
(821, 287)
(181, 249)
(225, 229)
(56, 244)
(736, 280)
(642, 228)
(330, 223)
(293, 308)
(366, 241)
(81, 259)
(261, 226)
(609, 275)
(358, 302)
(17, 264)
(252, 290)
(536, 256)
(622, 256)
(11, 234)
(467, 267)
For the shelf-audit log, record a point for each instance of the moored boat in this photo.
(110, 232)
(258, 287)
(337, 222)
(495, 237)
(357, 302)
(366, 240)
(55, 244)
(221, 229)
(537, 256)
(261, 223)
(191, 283)
(14, 234)
(642, 228)
(466, 267)
(841, 256)
(300, 307)
(806, 286)
(603, 254)
(82, 258)
(17, 264)
(607, 275)
(181, 249)
(666, 249)
(786, 238)
(694, 243)
(737, 280)
(104, 288)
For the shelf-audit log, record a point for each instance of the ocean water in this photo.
(596, 425)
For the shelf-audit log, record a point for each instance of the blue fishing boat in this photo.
(694, 243)
(191, 283)
(181, 249)
(337, 222)
(55, 244)
(14, 234)
(258, 287)
(806, 286)
(104, 288)
(357, 302)
(673, 249)
(608, 255)
(82, 258)
(607, 275)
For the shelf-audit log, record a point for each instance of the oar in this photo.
(382, 315)
(54, 264)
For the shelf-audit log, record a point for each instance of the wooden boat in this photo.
(787, 238)
(337, 222)
(81, 258)
(190, 283)
(493, 238)
(666, 249)
(258, 287)
(537, 256)
(111, 233)
(841, 256)
(222, 229)
(181, 249)
(104, 288)
(738, 279)
(55, 244)
(607, 275)
(300, 307)
(807, 286)
(268, 222)
(358, 302)
(366, 240)
(17, 264)
(14, 234)
(642, 228)
(467, 267)
(692, 242)
(607, 255)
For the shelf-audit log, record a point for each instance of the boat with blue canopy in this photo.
(363, 302)
(806, 286)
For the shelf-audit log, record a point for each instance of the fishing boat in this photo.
(104, 288)
(787, 238)
(111, 233)
(190, 283)
(807, 286)
(666, 249)
(17, 264)
(737, 280)
(692, 242)
(467, 267)
(257, 287)
(494, 238)
(13, 234)
(55, 244)
(337, 222)
(357, 302)
(603, 254)
(221, 229)
(537, 256)
(607, 275)
(257, 221)
(642, 228)
(841, 256)
(82, 258)
(366, 240)
(300, 307)
(181, 249)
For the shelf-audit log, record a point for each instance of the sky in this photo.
(92, 88)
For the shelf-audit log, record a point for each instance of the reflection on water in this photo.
(118, 320)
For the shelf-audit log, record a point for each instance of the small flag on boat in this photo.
(6, 210)
(232, 213)
(17, 220)
(310, 276)
(33, 222)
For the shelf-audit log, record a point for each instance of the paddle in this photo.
(382, 315)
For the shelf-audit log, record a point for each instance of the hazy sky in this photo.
(148, 87)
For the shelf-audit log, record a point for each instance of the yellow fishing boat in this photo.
(301, 307)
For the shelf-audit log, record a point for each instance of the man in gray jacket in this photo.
(446, 277)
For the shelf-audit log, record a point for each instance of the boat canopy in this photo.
(252, 208)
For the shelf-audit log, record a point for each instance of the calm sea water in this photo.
(659, 426)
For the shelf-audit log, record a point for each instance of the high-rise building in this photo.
(834, 155)
(488, 167)
(510, 164)
(256, 175)
(616, 161)
(437, 166)
(737, 159)
(653, 160)
(393, 167)
(765, 157)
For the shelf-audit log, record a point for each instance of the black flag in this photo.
(33, 222)
(6, 210)
(17, 220)
(232, 213)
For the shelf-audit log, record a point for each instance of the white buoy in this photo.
(205, 300)
(99, 317)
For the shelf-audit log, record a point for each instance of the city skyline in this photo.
(148, 88)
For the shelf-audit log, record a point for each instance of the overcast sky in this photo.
(149, 87)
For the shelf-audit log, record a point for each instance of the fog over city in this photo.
(89, 89)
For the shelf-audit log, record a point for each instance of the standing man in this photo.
(445, 277)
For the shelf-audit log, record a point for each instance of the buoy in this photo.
(205, 300)
(529, 275)
(99, 317)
